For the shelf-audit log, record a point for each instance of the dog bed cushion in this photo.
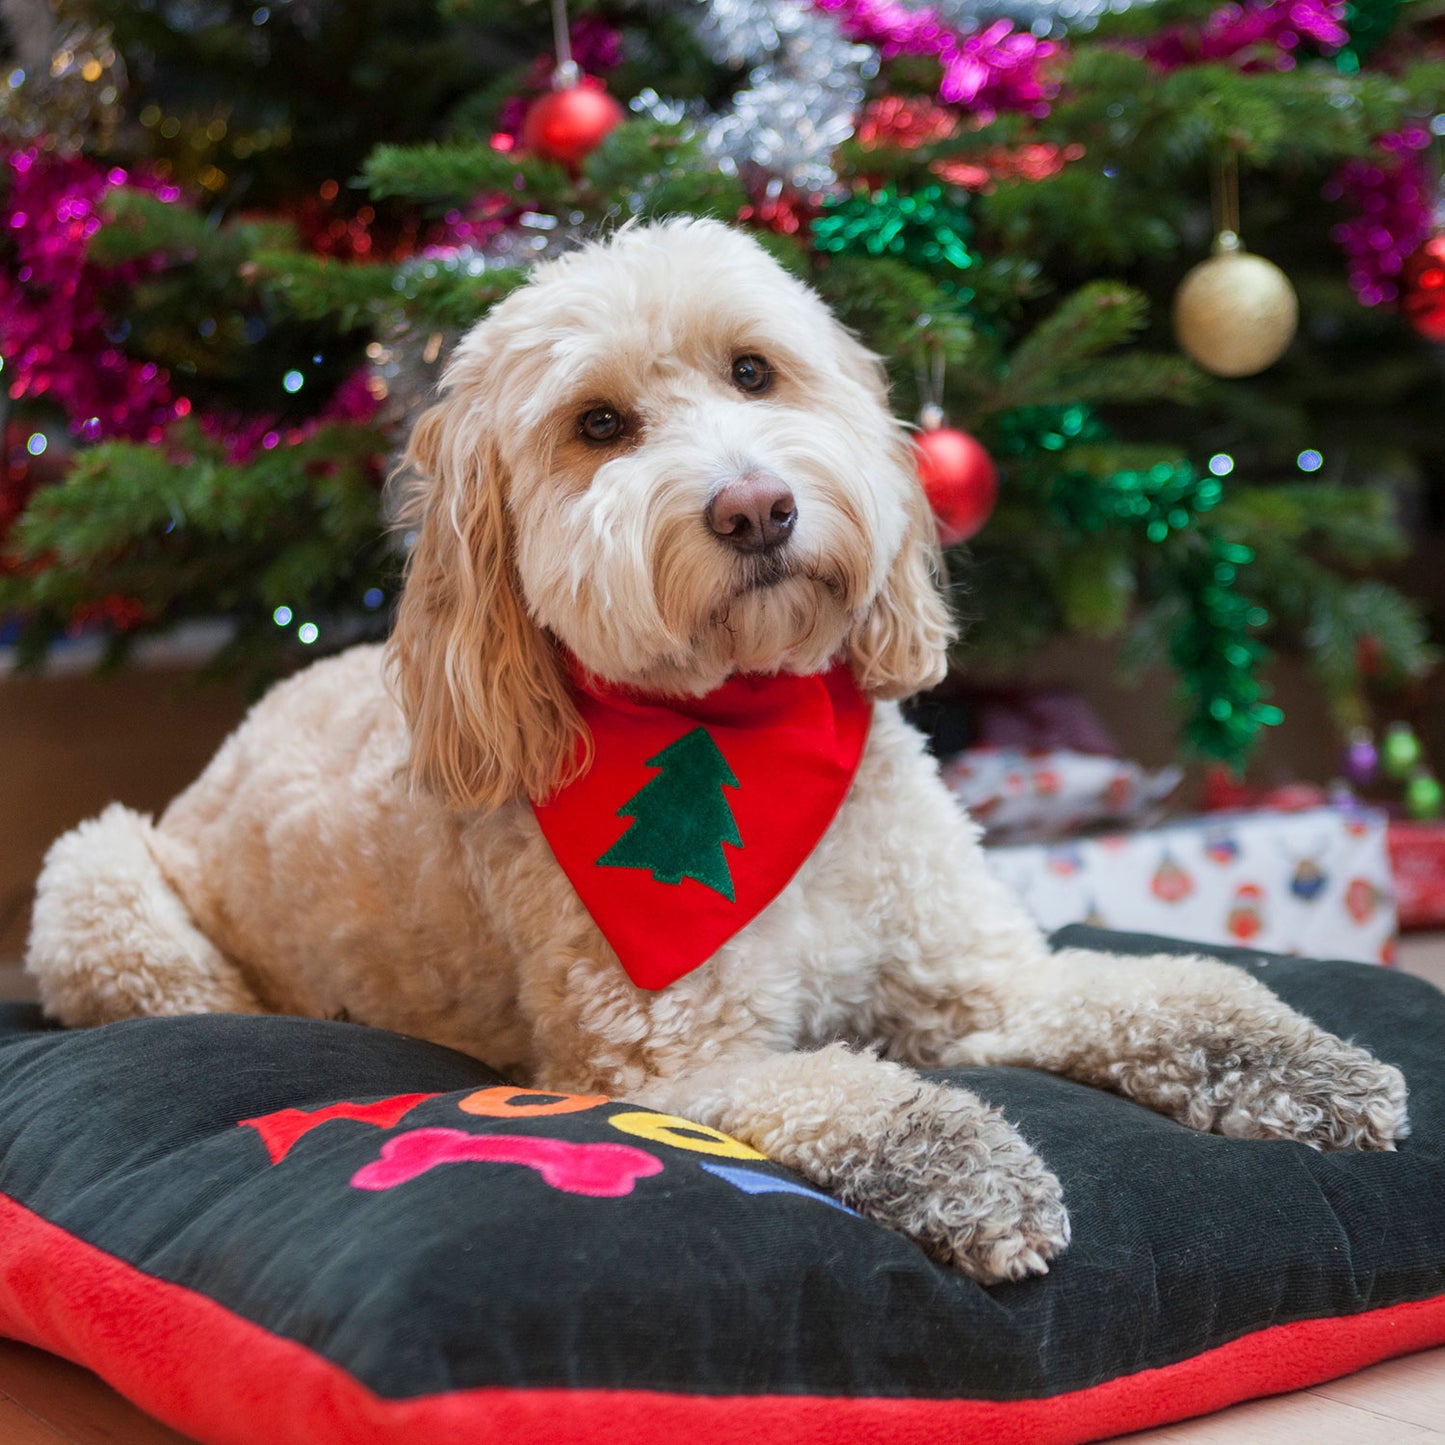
(279, 1230)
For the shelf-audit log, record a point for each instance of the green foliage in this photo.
(315, 289)
(660, 170)
(190, 534)
(905, 315)
(140, 225)
(456, 171)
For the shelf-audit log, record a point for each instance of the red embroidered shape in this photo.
(605, 1171)
(645, 848)
(280, 1131)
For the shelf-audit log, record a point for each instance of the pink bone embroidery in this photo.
(605, 1171)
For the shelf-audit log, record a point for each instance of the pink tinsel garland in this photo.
(62, 345)
(1393, 197)
(997, 68)
(58, 340)
(1259, 33)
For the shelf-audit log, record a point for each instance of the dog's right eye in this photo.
(601, 424)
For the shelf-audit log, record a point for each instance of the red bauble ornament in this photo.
(568, 125)
(960, 480)
(1422, 288)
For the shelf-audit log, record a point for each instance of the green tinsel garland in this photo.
(1212, 645)
(1215, 654)
(922, 228)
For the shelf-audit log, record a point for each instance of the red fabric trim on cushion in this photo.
(227, 1381)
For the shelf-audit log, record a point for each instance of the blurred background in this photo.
(1160, 282)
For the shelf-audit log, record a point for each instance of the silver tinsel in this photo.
(804, 87)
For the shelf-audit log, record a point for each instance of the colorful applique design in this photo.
(281, 1130)
(752, 1182)
(681, 819)
(1171, 883)
(683, 1134)
(502, 1102)
(1361, 899)
(604, 1171)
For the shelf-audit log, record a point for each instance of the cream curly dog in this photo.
(665, 457)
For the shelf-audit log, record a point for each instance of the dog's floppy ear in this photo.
(484, 694)
(900, 644)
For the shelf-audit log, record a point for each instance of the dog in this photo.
(658, 471)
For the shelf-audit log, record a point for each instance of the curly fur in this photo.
(359, 849)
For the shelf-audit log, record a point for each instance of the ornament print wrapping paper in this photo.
(1029, 796)
(1315, 882)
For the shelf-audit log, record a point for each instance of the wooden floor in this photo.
(45, 1400)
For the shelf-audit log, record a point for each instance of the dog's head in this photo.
(665, 456)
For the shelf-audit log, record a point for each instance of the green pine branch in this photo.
(1354, 527)
(140, 224)
(315, 288)
(1092, 320)
(660, 170)
(899, 310)
(457, 171)
(189, 534)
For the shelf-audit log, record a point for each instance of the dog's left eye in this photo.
(752, 374)
(601, 424)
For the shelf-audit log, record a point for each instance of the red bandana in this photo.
(697, 812)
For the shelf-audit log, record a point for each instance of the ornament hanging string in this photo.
(1225, 197)
(930, 384)
(568, 123)
(566, 75)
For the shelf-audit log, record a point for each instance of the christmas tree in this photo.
(239, 241)
(681, 818)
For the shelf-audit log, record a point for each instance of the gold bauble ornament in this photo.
(1235, 313)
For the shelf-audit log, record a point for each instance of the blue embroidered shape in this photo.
(752, 1182)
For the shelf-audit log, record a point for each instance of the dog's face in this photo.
(679, 466)
(703, 476)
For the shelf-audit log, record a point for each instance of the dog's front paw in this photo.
(1329, 1095)
(956, 1177)
(1281, 1079)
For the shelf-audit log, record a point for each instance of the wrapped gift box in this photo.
(1315, 882)
(1417, 857)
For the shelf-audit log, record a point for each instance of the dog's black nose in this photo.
(754, 513)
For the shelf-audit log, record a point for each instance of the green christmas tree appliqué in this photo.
(681, 818)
